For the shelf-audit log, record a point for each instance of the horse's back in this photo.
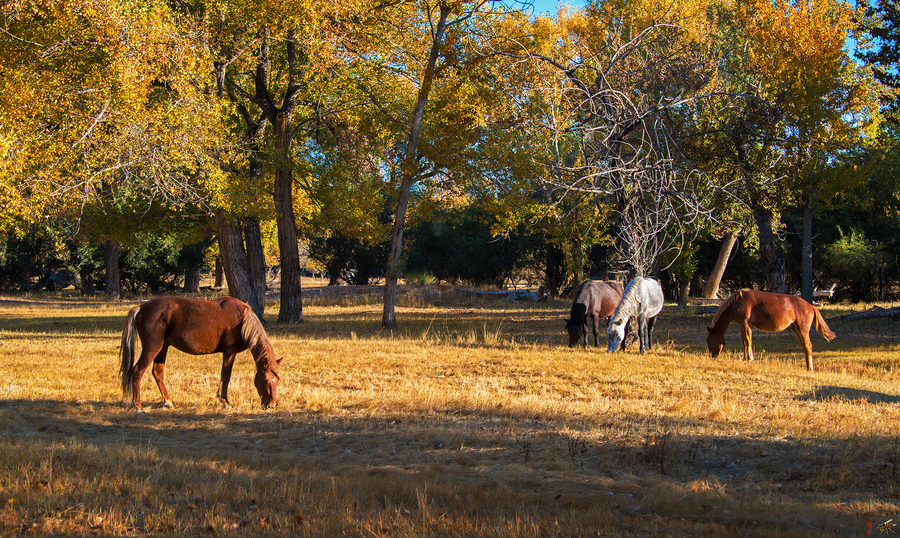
(611, 293)
(642, 296)
(600, 297)
(773, 312)
(195, 326)
(651, 295)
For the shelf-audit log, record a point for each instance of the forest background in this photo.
(713, 143)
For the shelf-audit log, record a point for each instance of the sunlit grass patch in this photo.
(465, 420)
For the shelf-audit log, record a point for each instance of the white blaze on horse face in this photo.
(616, 333)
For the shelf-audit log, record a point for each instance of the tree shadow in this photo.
(828, 392)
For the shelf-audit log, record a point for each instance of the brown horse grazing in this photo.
(769, 312)
(593, 300)
(199, 327)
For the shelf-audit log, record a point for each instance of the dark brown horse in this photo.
(198, 327)
(594, 300)
(769, 312)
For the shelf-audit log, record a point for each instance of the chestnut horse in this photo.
(199, 327)
(594, 300)
(769, 312)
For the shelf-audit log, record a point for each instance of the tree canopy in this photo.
(635, 129)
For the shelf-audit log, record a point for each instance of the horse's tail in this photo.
(126, 351)
(822, 327)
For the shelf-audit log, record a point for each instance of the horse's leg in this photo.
(596, 326)
(584, 333)
(747, 338)
(148, 352)
(650, 324)
(159, 374)
(642, 332)
(628, 325)
(805, 342)
(227, 365)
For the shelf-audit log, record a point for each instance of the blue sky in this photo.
(549, 6)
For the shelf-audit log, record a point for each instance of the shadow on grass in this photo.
(641, 477)
(827, 392)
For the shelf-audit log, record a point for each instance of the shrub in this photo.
(856, 262)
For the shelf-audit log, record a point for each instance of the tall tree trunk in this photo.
(553, 270)
(192, 280)
(806, 283)
(577, 260)
(408, 172)
(113, 285)
(218, 278)
(291, 310)
(771, 254)
(683, 287)
(715, 278)
(256, 260)
(234, 260)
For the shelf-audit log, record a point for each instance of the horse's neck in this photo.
(626, 309)
(262, 351)
(722, 322)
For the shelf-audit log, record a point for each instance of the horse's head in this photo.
(266, 382)
(615, 332)
(715, 340)
(576, 331)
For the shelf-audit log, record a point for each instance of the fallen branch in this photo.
(872, 313)
(703, 301)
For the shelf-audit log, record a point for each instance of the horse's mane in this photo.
(629, 300)
(255, 338)
(726, 304)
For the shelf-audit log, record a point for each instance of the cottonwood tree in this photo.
(427, 72)
(103, 104)
(824, 103)
(276, 60)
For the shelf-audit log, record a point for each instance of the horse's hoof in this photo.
(170, 404)
(139, 410)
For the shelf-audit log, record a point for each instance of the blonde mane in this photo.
(256, 340)
(724, 308)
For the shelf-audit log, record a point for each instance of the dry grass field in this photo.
(473, 419)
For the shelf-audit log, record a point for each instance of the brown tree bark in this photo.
(280, 117)
(291, 310)
(192, 280)
(715, 277)
(256, 259)
(771, 255)
(234, 261)
(218, 280)
(806, 285)
(113, 285)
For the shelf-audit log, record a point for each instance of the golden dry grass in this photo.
(472, 419)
